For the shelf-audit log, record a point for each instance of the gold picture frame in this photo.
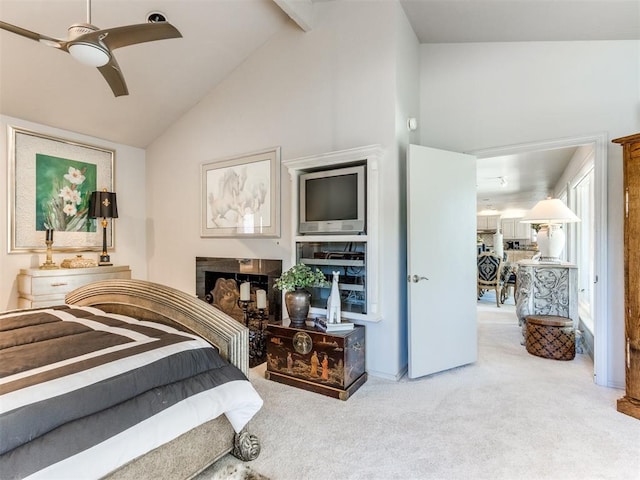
(50, 182)
(241, 196)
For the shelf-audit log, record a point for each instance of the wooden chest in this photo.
(330, 363)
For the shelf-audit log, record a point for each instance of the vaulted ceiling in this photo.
(167, 78)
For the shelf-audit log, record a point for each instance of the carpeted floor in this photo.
(233, 471)
(508, 416)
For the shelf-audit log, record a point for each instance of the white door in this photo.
(441, 260)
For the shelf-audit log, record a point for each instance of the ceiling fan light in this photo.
(89, 54)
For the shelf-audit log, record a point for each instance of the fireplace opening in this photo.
(223, 292)
(218, 282)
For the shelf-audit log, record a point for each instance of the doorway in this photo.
(598, 234)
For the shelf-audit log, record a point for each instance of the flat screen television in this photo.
(333, 201)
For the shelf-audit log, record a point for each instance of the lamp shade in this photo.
(550, 211)
(103, 205)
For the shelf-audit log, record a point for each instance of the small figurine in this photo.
(333, 302)
(314, 365)
(289, 362)
(325, 368)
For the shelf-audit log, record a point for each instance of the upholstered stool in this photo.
(550, 336)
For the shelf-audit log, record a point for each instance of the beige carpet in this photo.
(509, 416)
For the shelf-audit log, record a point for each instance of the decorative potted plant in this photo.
(293, 282)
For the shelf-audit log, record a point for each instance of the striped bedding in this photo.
(82, 390)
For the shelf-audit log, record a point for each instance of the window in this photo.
(583, 192)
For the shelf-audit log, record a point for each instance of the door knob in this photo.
(416, 278)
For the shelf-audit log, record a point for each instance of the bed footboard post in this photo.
(246, 447)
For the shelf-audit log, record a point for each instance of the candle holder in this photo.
(244, 305)
(261, 316)
(257, 344)
(49, 264)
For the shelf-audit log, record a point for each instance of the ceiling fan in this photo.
(92, 46)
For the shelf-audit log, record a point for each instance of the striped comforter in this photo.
(82, 390)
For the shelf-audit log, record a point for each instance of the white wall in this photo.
(407, 105)
(330, 89)
(130, 226)
(479, 96)
(581, 159)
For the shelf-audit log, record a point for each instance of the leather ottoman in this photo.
(550, 336)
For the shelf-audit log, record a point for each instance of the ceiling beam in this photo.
(300, 11)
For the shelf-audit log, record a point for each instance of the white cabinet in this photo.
(487, 222)
(513, 229)
(45, 288)
(508, 229)
(356, 256)
(524, 230)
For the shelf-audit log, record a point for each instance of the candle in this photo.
(261, 298)
(49, 235)
(245, 292)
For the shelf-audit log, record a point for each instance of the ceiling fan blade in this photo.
(53, 42)
(131, 34)
(112, 74)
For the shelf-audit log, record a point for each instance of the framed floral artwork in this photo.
(51, 180)
(241, 196)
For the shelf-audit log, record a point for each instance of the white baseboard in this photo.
(387, 376)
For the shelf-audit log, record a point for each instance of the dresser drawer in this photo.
(63, 284)
(40, 302)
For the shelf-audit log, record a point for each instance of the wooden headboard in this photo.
(151, 301)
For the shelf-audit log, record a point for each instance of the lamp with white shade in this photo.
(551, 214)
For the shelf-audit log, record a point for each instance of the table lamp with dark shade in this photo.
(103, 205)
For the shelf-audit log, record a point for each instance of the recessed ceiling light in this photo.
(155, 17)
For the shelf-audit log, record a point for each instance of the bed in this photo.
(128, 379)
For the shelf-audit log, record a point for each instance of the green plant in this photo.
(300, 276)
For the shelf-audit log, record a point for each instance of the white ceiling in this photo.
(169, 77)
(512, 184)
(455, 21)
(165, 78)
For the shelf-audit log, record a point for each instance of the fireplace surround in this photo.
(260, 273)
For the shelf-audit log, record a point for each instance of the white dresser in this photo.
(44, 288)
